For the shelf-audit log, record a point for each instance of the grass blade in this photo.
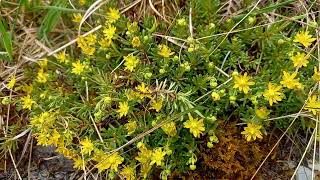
(51, 19)
(6, 40)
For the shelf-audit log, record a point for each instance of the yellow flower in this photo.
(165, 51)
(272, 94)
(289, 81)
(156, 104)
(157, 157)
(91, 39)
(262, 113)
(195, 126)
(54, 138)
(77, 17)
(304, 38)
(316, 74)
(87, 44)
(11, 82)
(313, 105)
(131, 126)
(144, 156)
(135, 42)
(299, 60)
(131, 62)
(62, 57)
(215, 96)
(44, 120)
(42, 77)
(78, 163)
(128, 173)
(86, 146)
(123, 109)
(170, 128)
(242, 82)
(42, 138)
(109, 32)
(143, 88)
(110, 162)
(88, 50)
(145, 169)
(27, 102)
(105, 43)
(66, 152)
(252, 132)
(78, 68)
(113, 15)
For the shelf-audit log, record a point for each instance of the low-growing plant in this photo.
(134, 96)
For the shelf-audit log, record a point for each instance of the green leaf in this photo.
(51, 19)
(6, 40)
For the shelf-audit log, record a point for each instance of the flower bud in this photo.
(5, 101)
(281, 41)
(193, 167)
(251, 20)
(162, 71)
(235, 73)
(232, 98)
(108, 56)
(212, 25)
(213, 83)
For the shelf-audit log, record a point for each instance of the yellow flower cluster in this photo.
(43, 121)
(147, 158)
(109, 161)
(87, 44)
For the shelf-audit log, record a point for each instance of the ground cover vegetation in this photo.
(132, 94)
